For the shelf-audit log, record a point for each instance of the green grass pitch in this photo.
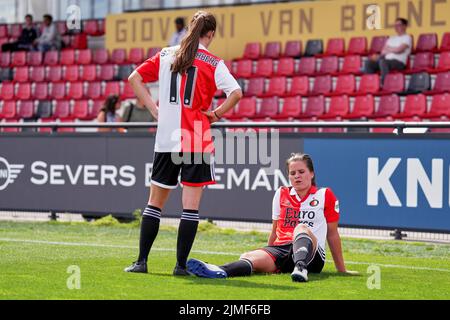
(34, 261)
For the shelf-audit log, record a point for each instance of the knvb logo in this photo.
(8, 173)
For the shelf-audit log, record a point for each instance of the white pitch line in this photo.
(102, 245)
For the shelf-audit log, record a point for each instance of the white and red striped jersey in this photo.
(182, 127)
(316, 209)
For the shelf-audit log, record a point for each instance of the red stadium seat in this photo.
(21, 74)
(362, 108)
(377, 43)
(255, 87)
(244, 68)
(58, 90)
(415, 105)
(80, 110)
(8, 110)
(12, 129)
(440, 106)
(25, 109)
(107, 72)
(388, 106)
(7, 91)
(84, 56)
(252, 50)
(136, 55)
(351, 64)
(71, 73)
(272, 50)
(357, 45)
(100, 56)
(79, 41)
(51, 58)
(277, 87)
(444, 62)
(299, 86)
(15, 30)
(315, 107)
(62, 109)
(127, 91)
(441, 84)
(152, 51)
(339, 107)
(61, 26)
(427, 42)
(96, 106)
(246, 108)
(54, 73)
(90, 27)
(291, 108)
(307, 66)
(370, 83)
(75, 90)
(5, 59)
(286, 67)
(329, 64)
(66, 129)
(393, 83)
(269, 108)
(67, 57)
(94, 90)
(423, 61)
(4, 31)
(23, 91)
(88, 72)
(18, 58)
(37, 74)
(345, 84)
(264, 68)
(119, 56)
(40, 91)
(322, 85)
(293, 49)
(335, 47)
(445, 42)
(112, 87)
(35, 58)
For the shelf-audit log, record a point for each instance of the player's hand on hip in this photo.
(211, 116)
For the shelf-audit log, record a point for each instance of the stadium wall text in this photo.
(282, 22)
(381, 181)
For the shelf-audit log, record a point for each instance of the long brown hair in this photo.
(306, 158)
(200, 25)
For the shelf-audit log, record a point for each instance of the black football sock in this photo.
(240, 268)
(186, 235)
(149, 230)
(303, 250)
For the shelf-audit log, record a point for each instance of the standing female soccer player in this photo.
(189, 75)
(303, 217)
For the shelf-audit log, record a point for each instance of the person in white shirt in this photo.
(395, 53)
(179, 34)
(50, 38)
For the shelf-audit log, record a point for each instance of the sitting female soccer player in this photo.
(303, 217)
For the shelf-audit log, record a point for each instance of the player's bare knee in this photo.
(302, 228)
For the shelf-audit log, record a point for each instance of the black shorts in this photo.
(197, 169)
(282, 256)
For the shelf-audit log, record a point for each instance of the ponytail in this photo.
(200, 25)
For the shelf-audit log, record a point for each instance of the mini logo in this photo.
(8, 172)
(314, 203)
(301, 249)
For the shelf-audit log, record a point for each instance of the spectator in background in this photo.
(108, 113)
(26, 38)
(50, 39)
(395, 53)
(137, 112)
(179, 34)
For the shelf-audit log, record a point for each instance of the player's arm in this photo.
(334, 242)
(273, 233)
(398, 49)
(142, 93)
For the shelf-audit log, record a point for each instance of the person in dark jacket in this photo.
(26, 38)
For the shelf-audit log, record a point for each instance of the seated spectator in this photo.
(108, 113)
(26, 38)
(137, 112)
(395, 53)
(50, 39)
(180, 32)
